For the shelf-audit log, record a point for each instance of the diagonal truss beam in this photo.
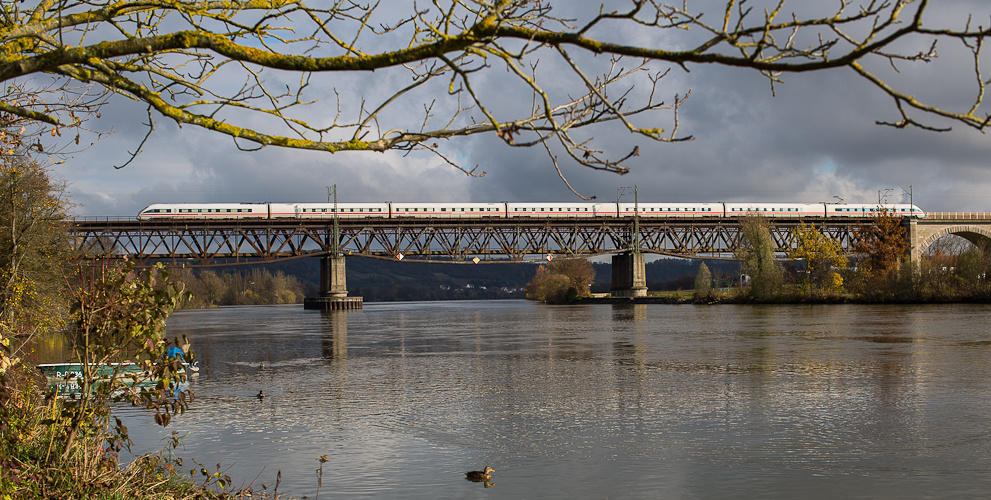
(451, 239)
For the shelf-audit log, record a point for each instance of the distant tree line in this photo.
(256, 286)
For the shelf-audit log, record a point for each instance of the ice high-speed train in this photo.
(514, 210)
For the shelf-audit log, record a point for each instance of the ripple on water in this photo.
(701, 402)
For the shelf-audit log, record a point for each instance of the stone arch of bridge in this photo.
(978, 235)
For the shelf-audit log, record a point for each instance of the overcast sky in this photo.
(814, 141)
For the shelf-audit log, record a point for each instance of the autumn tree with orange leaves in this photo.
(561, 281)
(883, 245)
(884, 242)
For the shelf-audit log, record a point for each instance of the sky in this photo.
(813, 139)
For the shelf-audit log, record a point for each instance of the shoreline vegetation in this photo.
(63, 440)
(816, 272)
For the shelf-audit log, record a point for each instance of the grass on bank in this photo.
(35, 464)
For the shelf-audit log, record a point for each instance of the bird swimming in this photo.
(480, 475)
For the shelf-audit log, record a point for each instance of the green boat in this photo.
(124, 371)
(65, 371)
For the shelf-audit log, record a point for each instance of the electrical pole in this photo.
(337, 227)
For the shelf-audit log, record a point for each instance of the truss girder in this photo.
(444, 238)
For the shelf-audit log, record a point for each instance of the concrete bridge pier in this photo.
(629, 275)
(333, 287)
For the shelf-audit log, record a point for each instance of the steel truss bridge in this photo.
(213, 242)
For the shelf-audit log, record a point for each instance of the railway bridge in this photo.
(975, 227)
(195, 242)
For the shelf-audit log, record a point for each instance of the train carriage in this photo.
(551, 209)
(671, 209)
(776, 209)
(870, 210)
(448, 210)
(204, 211)
(344, 210)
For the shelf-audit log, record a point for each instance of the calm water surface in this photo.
(593, 401)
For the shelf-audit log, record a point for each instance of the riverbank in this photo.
(688, 297)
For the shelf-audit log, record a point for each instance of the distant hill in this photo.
(380, 280)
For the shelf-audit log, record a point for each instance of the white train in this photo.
(513, 210)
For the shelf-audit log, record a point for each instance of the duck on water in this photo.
(480, 475)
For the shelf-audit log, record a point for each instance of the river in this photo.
(591, 401)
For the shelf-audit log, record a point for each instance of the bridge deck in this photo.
(941, 216)
(452, 239)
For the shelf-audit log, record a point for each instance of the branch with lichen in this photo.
(180, 56)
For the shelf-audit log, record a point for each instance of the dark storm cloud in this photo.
(816, 139)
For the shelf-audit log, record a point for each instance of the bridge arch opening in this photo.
(956, 240)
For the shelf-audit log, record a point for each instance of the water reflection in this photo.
(708, 401)
(334, 340)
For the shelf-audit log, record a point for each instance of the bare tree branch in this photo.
(184, 60)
